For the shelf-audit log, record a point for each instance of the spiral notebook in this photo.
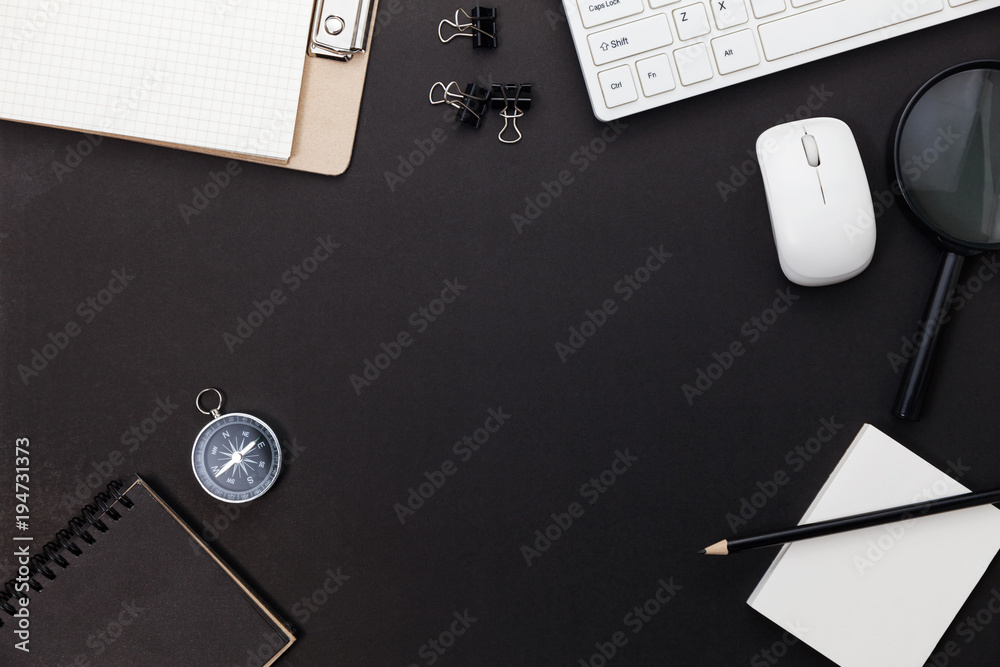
(144, 591)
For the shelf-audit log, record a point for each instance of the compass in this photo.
(236, 457)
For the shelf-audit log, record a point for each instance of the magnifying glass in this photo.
(947, 154)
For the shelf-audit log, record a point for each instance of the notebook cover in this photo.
(881, 596)
(147, 592)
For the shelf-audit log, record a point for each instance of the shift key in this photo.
(629, 39)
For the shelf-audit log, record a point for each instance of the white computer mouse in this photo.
(820, 203)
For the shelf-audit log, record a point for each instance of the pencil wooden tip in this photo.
(717, 549)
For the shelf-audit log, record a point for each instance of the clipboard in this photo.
(336, 63)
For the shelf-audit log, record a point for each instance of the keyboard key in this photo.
(693, 64)
(630, 39)
(762, 8)
(729, 13)
(731, 41)
(617, 86)
(655, 75)
(596, 12)
(832, 23)
(692, 21)
(735, 51)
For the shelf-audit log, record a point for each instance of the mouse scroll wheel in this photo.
(812, 149)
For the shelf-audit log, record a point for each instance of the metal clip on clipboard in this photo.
(339, 28)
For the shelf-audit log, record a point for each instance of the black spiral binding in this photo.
(90, 516)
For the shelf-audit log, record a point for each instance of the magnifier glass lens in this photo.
(949, 156)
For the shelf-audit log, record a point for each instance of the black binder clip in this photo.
(513, 99)
(480, 25)
(472, 104)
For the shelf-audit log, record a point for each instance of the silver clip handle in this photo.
(340, 28)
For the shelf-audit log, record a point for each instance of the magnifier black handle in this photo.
(911, 391)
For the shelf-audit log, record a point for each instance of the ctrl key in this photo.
(617, 86)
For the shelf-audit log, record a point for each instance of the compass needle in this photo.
(236, 457)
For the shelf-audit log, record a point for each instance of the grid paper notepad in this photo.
(215, 74)
(880, 596)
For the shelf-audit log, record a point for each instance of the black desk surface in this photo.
(366, 583)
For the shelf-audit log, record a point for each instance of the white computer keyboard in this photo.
(640, 54)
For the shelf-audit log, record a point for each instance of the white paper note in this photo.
(882, 596)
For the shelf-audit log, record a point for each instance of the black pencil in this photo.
(843, 524)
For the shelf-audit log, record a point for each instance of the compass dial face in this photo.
(236, 457)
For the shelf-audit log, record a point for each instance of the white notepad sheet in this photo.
(882, 596)
(217, 74)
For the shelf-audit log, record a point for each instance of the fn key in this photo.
(617, 86)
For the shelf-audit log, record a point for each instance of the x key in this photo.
(729, 13)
